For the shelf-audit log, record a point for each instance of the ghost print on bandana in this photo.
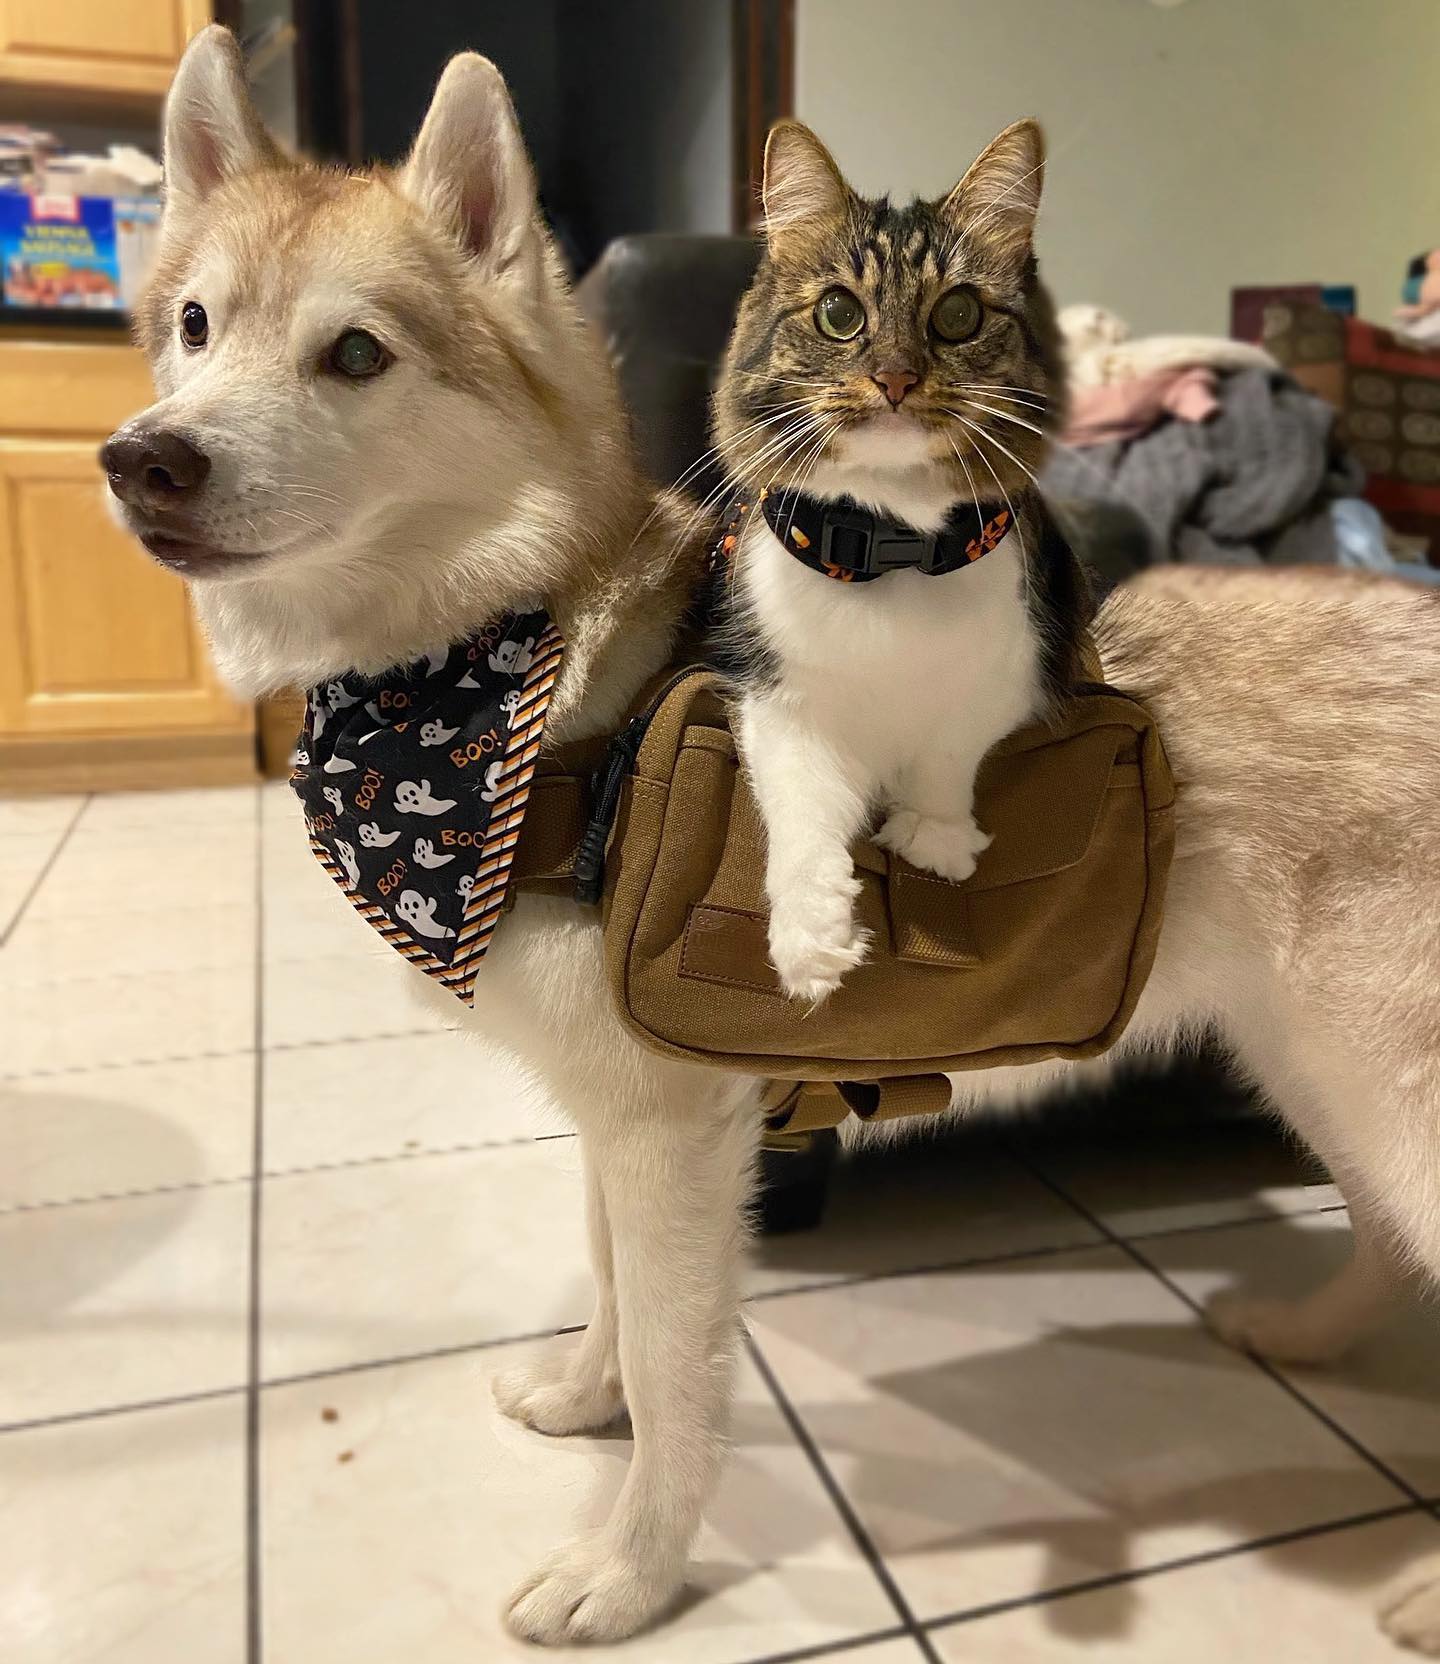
(414, 786)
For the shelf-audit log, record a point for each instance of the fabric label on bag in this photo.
(415, 783)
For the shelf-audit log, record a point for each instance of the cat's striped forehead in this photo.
(888, 247)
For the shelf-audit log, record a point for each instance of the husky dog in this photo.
(381, 424)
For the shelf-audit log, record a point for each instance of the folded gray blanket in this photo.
(1249, 485)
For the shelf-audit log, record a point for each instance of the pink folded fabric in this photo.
(1126, 409)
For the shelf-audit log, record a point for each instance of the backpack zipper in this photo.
(606, 784)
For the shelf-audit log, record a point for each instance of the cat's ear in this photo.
(999, 197)
(469, 170)
(803, 187)
(212, 132)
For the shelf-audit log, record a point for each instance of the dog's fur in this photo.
(489, 465)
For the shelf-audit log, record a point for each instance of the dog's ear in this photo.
(469, 169)
(211, 129)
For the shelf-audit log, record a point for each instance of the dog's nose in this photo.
(157, 467)
(895, 381)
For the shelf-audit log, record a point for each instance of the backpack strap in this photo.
(1091, 669)
(791, 1106)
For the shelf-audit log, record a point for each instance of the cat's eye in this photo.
(194, 325)
(957, 314)
(839, 315)
(358, 354)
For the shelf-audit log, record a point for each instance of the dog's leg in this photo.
(1410, 1608)
(1322, 1326)
(675, 1177)
(1313, 1085)
(577, 1391)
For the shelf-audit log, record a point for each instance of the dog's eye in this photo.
(357, 354)
(194, 325)
(839, 315)
(956, 315)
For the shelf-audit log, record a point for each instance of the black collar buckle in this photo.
(869, 545)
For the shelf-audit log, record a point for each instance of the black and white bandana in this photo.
(415, 783)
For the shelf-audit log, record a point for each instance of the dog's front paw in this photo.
(1279, 1329)
(1410, 1609)
(948, 848)
(587, 1591)
(553, 1398)
(815, 939)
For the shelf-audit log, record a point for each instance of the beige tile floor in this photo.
(266, 1232)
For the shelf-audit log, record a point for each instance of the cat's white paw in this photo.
(1284, 1330)
(1410, 1608)
(588, 1591)
(550, 1397)
(815, 939)
(948, 848)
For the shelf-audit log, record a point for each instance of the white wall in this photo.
(1193, 147)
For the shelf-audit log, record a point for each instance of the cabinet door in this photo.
(94, 637)
(101, 46)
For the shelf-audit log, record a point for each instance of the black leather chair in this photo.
(666, 303)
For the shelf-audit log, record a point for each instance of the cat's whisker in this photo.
(811, 459)
(797, 431)
(1004, 387)
(969, 477)
(1004, 416)
(706, 458)
(1009, 507)
(778, 381)
(789, 454)
(1003, 449)
(1008, 395)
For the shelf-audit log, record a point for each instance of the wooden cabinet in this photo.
(104, 678)
(105, 48)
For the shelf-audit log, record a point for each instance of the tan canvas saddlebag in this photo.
(1042, 953)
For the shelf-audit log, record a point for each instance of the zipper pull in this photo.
(605, 787)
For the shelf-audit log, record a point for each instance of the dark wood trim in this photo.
(350, 80)
(763, 75)
(329, 104)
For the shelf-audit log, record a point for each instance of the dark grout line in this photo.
(833, 1649)
(203, 1057)
(126, 1063)
(1281, 1380)
(1003, 1256)
(43, 874)
(139, 1406)
(262, 1385)
(280, 1172)
(841, 1503)
(353, 1039)
(1202, 1557)
(1286, 1216)
(254, 1631)
(933, 1268)
(458, 1350)
(402, 1156)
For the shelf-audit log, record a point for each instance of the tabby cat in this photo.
(895, 599)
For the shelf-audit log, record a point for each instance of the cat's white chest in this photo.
(904, 670)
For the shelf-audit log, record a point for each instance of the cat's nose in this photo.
(895, 381)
